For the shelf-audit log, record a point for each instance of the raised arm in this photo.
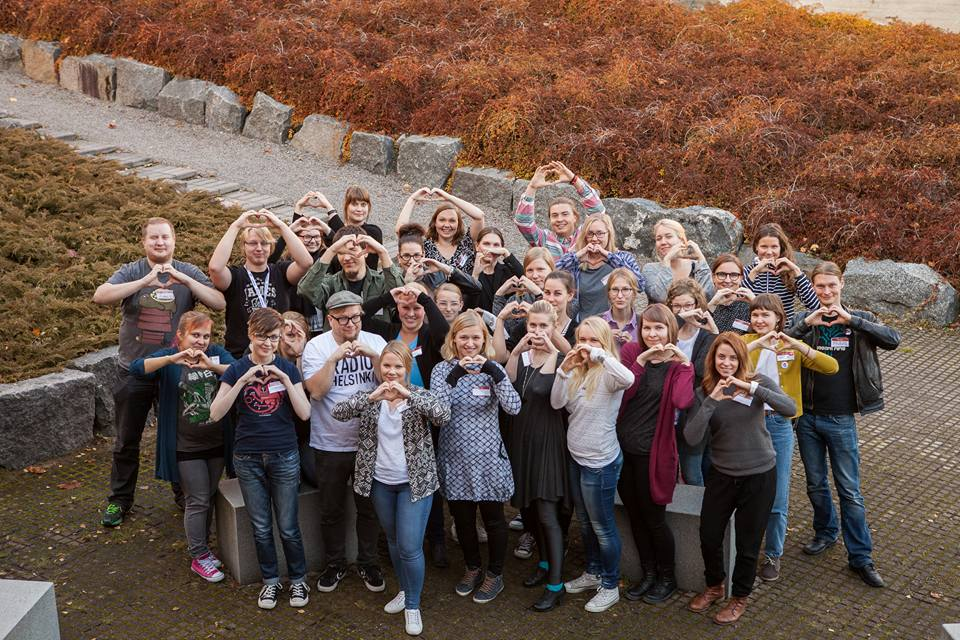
(217, 267)
(471, 210)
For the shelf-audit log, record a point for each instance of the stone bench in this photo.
(951, 631)
(683, 516)
(235, 535)
(29, 611)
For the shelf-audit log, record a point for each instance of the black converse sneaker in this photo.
(268, 596)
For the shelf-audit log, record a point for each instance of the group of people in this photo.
(456, 372)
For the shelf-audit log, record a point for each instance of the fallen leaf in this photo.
(112, 124)
(72, 484)
(36, 470)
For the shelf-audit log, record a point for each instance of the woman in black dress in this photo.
(538, 450)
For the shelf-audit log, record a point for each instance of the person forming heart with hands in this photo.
(676, 258)
(743, 480)
(774, 270)
(730, 304)
(447, 241)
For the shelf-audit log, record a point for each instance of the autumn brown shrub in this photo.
(842, 130)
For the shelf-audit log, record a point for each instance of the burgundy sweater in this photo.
(677, 395)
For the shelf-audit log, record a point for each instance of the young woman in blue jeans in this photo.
(396, 467)
(267, 392)
(590, 385)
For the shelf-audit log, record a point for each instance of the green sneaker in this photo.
(112, 515)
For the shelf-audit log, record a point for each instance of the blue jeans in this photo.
(273, 480)
(781, 432)
(593, 491)
(837, 435)
(694, 459)
(404, 522)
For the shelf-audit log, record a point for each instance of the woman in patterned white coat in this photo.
(396, 467)
(474, 468)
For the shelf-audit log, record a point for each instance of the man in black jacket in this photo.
(828, 425)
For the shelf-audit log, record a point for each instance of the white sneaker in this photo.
(414, 623)
(604, 599)
(517, 523)
(586, 582)
(396, 605)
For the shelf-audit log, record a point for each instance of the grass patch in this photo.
(71, 221)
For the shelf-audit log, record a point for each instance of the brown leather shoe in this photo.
(732, 611)
(703, 601)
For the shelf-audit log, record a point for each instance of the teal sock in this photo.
(555, 587)
(543, 564)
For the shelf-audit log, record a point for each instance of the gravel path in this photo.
(271, 169)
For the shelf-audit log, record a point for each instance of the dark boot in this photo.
(637, 590)
(548, 600)
(537, 578)
(665, 586)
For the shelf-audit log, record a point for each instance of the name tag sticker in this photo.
(417, 352)
(483, 392)
(525, 356)
(603, 280)
(164, 295)
(740, 325)
(746, 400)
(789, 356)
(839, 344)
(214, 359)
(276, 387)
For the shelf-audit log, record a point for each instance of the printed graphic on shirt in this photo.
(354, 371)
(832, 339)
(155, 320)
(197, 389)
(263, 399)
(252, 295)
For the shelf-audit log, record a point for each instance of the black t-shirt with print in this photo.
(242, 299)
(195, 431)
(835, 395)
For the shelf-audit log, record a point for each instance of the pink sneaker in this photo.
(204, 567)
(213, 558)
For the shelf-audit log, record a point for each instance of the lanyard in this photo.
(262, 295)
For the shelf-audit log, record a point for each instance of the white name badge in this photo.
(276, 387)
(740, 325)
(214, 359)
(483, 392)
(525, 356)
(604, 279)
(164, 295)
(839, 344)
(745, 400)
(786, 357)
(417, 352)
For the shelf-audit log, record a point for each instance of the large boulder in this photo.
(139, 84)
(906, 290)
(373, 152)
(490, 189)
(94, 75)
(268, 120)
(426, 161)
(714, 230)
(103, 365)
(224, 111)
(184, 99)
(322, 136)
(46, 417)
(10, 53)
(544, 196)
(40, 60)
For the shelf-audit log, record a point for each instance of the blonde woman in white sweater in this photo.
(590, 385)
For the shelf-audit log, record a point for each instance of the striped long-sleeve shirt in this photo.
(537, 237)
(768, 282)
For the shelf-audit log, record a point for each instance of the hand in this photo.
(433, 266)
(473, 364)
(698, 317)
(822, 317)
(656, 351)
(840, 315)
(544, 176)
(251, 220)
(675, 353)
(769, 341)
(361, 349)
(723, 297)
(404, 294)
(730, 387)
(414, 272)
(693, 249)
(622, 337)
(307, 222)
(563, 173)
(510, 285)
(767, 264)
(187, 357)
(784, 265)
(530, 286)
(574, 359)
(368, 244)
(313, 200)
(274, 373)
(380, 393)
(258, 373)
(525, 344)
(672, 254)
(745, 294)
(346, 243)
(347, 349)
(400, 390)
(160, 276)
(541, 342)
(424, 194)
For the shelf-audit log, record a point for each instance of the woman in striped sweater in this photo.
(774, 270)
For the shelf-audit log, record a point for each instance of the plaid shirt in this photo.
(537, 237)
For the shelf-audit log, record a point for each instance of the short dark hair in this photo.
(264, 320)
(349, 230)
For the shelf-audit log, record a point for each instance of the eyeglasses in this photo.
(622, 291)
(677, 308)
(255, 243)
(596, 234)
(720, 275)
(343, 321)
(411, 256)
(271, 338)
(311, 238)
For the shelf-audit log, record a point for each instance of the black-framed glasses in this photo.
(344, 321)
(722, 275)
(271, 338)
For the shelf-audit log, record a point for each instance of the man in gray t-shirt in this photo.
(153, 292)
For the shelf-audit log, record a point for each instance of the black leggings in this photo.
(548, 521)
(648, 521)
(464, 514)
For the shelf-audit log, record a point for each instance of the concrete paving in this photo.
(135, 582)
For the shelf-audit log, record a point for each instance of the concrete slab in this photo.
(66, 136)
(92, 148)
(210, 185)
(251, 200)
(18, 123)
(29, 611)
(235, 534)
(165, 172)
(126, 159)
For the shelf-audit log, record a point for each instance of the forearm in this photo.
(318, 385)
(224, 401)
(697, 424)
(883, 336)
(298, 399)
(500, 343)
(110, 294)
(221, 255)
(777, 399)
(208, 296)
(153, 364)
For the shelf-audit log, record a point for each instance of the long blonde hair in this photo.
(607, 222)
(589, 379)
(468, 318)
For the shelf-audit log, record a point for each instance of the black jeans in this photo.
(133, 398)
(648, 520)
(464, 514)
(435, 534)
(334, 472)
(749, 499)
